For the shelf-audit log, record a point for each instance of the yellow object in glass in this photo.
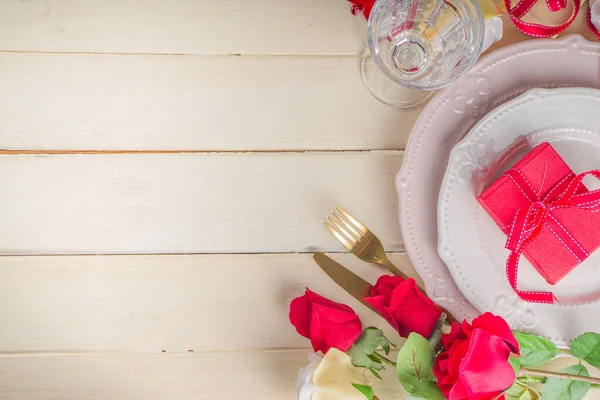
(492, 8)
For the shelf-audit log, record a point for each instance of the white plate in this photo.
(471, 244)
(500, 76)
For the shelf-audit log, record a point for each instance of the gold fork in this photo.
(362, 243)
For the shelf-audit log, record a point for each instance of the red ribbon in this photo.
(590, 25)
(530, 219)
(537, 30)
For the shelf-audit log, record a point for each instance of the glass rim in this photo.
(377, 9)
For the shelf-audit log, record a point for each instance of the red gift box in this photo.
(545, 210)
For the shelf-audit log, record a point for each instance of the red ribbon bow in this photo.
(530, 219)
(537, 30)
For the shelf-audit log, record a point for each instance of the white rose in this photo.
(304, 380)
(330, 378)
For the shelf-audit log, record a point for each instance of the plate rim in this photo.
(403, 178)
(474, 134)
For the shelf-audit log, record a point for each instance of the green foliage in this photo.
(520, 391)
(532, 379)
(415, 362)
(535, 350)
(426, 390)
(567, 389)
(587, 348)
(516, 364)
(363, 351)
(366, 390)
(435, 339)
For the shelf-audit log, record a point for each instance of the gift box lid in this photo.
(542, 167)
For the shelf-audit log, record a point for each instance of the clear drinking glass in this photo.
(417, 46)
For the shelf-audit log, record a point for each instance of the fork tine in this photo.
(338, 236)
(343, 231)
(348, 225)
(351, 219)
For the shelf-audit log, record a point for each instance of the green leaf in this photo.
(386, 346)
(375, 373)
(366, 390)
(426, 390)
(520, 391)
(435, 339)
(516, 364)
(373, 357)
(385, 360)
(415, 362)
(535, 350)
(532, 379)
(587, 347)
(362, 352)
(567, 389)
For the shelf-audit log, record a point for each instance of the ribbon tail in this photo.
(591, 25)
(512, 267)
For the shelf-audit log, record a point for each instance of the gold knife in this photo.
(356, 286)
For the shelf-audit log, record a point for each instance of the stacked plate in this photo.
(514, 99)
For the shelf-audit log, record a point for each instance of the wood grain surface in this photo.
(165, 165)
(192, 103)
(172, 304)
(191, 203)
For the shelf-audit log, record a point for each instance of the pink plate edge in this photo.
(455, 302)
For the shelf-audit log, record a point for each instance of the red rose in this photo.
(474, 364)
(326, 323)
(404, 306)
(363, 6)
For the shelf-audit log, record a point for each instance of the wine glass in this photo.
(418, 46)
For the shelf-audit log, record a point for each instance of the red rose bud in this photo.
(474, 364)
(326, 323)
(404, 306)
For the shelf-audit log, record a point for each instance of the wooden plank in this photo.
(150, 304)
(97, 102)
(191, 203)
(182, 27)
(243, 376)
(195, 27)
(265, 375)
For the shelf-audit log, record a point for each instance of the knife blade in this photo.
(356, 286)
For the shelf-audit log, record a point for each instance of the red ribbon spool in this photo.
(538, 30)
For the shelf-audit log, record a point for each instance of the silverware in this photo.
(363, 243)
(356, 286)
(359, 240)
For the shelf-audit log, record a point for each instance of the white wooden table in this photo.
(164, 171)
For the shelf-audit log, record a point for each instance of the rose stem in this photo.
(562, 375)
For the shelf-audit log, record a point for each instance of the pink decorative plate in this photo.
(450, 115)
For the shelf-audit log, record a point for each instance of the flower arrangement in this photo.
(480, 360)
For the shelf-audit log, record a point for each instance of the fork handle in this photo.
(394, 270)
